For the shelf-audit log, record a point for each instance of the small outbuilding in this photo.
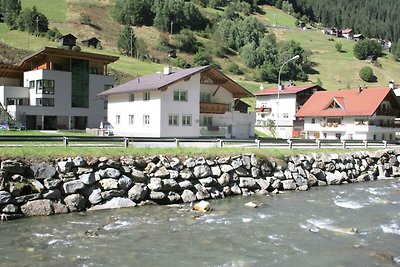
(91, 42)
(68, 40)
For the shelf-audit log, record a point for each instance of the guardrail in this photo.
(113, 141)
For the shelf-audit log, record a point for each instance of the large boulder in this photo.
(51, 183)
(138, 176)
(155, 184)
(112, 193)
(43, 170)
(188, 196)
(124, 182)
(38, 207)
(13, 167)
(75, 202)
(202, 171)
(115, 203)
(109, 184)
(72, 187)
(247, 182)
(89, 178)
(333, 178)
(138, 192)
(5, 197)
(289, 185)
(162, 172)
(109, 173)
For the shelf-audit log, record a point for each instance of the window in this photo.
(207, 121)
(48, 102)
(45, 87)
(146, 96)
(285, 115)
(146, 119)
(108, 86)
(338, 136)
(131, 97)
(228, 107)
(105, 104)
(173, 120)
(313, 121)
(131, 119)
(180, 95)
(205, 97)
(31, 84)
(80, 83)
(186, 120)
(17, 101)
(117, 119)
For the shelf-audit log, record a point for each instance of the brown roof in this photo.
(51, 51)
(352, 102)
(161, 82)
(287, 90)
(10, 71)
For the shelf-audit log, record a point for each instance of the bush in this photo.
(182, 63)
(338, 47)
(186, 42)
(365, 48)
(85, 19)
(366, 74)
(202, 58)
(234, 68)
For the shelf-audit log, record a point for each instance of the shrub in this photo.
(234, 68)
(186, 41)
(365, 48)
(85, 19)
(366, 74)
(182, 63)
(338, 47)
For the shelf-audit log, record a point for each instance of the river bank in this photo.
(65, 185)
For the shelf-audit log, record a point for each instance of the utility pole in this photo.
(37, 26)
(131, 41)
(172, 23)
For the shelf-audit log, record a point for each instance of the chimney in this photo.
(167, 70)
(359, 89)
(391, 84)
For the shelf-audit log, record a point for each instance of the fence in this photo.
(113, 141)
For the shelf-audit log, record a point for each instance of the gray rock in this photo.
(235, 189)
(255, 172)
(319, 174)
(254, 161)
(5, 197)
(138, 176)
(395, 171)
(82, 170)
(89, 178)
(276, 184)
(173, 197)
(279, 175)
(75, 202)
(188, 196)
(209, 181)
(263, 184)
(38, 207)
(247, 182)
(202, 171)
(241, 171)
(124, 182)
(201, 161)
(25, 198)
(79, 162)
(138, 192)
(303, 187)
(9, 208)
(109, 173)
(322, 183)
(64, 166)
(43, 170)
(115, 203)
(52, 194)
(266, 169)
(299, 179)
(226, 168)
(216, 171)
(246, 162)
(288, 174)
(95, 196)
(333, 178)
(226, 190)
(202, 192)
(185, 184)
(289, 185)
(51, 183)
(223, 160)
(155, 184)
(311, 179)
(186, 174)
(173, 174)
(190, 163)
(162, 173)
(169, 185)
(59, 208)
(176, 164)
(36, 185)
(215, 193)
(154, 195)
(236, 163)
(106, 195)
(224, 179)
(13, 167)
(109, 184)
(363, 178)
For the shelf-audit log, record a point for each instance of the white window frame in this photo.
(146, 119)
(131, 97)
(117, 119)
(173, 120)
(131, 119)
(146, 96)
(180, 95)
(186, 120)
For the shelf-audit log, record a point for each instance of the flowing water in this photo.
(312, 228)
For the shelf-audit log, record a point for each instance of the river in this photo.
(311, 228)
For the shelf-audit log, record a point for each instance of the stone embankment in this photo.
(79, 184)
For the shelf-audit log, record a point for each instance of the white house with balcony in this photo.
(56, 89)
(194, 102)
(360, 114)
(280, 107)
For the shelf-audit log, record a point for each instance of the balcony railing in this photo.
(213, 108)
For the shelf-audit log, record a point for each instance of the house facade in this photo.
(56, 89)
(194, 102)
(359, 114)
(282, 110)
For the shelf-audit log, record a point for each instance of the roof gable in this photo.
(336, 102)
(288, 90)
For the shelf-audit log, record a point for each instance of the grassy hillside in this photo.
(334, 69)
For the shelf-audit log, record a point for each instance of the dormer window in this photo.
(336, 103)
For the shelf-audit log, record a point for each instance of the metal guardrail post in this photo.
(365, 143)
(126, 142)
(176, 142)
(318, 143)
(258, 143)
(290, 142)
(384, 143)
(221, 143)
(344, 144)
(66, 141)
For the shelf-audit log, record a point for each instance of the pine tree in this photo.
(127, 42)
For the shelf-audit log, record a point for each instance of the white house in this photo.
(194, 102)
(280, 107)
(362, 114)
(56, 89)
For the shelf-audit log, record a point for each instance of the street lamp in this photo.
(279, 89)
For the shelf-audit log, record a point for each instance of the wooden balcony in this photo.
(213, 108)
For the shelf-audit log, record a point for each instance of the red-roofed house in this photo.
(362, 114)
(348, 33)
(194, 102)
(291, 98)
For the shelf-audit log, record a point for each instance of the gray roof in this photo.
(160, 81)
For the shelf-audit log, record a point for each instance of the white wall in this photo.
(12, 92)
